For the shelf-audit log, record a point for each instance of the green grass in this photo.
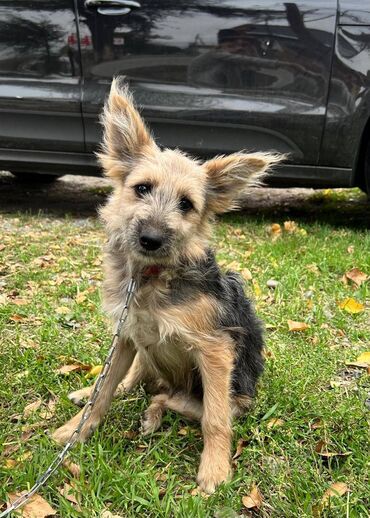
(121, 470)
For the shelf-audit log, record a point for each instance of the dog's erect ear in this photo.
(228, 176)
(125, 135)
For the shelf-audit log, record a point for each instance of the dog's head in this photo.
(163, 199)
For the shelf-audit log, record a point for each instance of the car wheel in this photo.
(35, 178)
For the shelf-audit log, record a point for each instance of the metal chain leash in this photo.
(85, 414)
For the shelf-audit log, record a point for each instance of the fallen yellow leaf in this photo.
(94, 371)
(254, 499)
(297, 326)
(352, 306)
(275, 423)
(364, 358)
(9, 464)
(257, 289)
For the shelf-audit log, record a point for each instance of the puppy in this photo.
(191, 334)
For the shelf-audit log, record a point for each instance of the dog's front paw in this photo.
(64, 433)
(212, 472)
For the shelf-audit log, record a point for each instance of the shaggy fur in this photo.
(191, 335)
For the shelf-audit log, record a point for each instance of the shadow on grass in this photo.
(80, 196)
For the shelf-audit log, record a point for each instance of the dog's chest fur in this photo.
(163, 351)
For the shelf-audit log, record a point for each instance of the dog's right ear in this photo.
(125, 135)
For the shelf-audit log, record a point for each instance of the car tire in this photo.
(35, 178)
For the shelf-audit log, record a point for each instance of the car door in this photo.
(214, 76)
(40, 92)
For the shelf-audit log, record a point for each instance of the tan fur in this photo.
(165, 344)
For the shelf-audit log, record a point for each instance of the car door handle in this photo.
(113, 7)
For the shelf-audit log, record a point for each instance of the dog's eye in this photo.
(185, 204)
(142, 189)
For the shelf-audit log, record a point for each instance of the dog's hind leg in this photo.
(184, 404)
(152, 418)
(133, 377)
(121, 362)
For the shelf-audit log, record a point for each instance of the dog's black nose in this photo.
(150, 240)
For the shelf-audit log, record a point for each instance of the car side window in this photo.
(38, 39)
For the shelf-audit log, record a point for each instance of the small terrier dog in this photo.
(191, 334)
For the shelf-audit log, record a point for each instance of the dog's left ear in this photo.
(125, 135)
(228, 176)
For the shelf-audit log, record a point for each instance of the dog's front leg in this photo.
(121, 362)
(215, 364)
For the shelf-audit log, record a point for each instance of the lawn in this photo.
(309, 427)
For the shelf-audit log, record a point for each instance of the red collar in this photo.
(153, 270)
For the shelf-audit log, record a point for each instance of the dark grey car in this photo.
(211, 77)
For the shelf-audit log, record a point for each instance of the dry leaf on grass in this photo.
(49, 410)
(73, 468)
(352, 306)
(275, 423)
(241, 444)
(16, 318)
(290, 226)
(246, 274)
(20, 302)
(318, 423)
(29, 428)
(37, 507)
(336, 489)
(31, 407)
(67, 492)
(24, 456)
(66, 369)
(357, 276)
(297, 326)
(322, 449)
(363, 361)
(63, 310)
(275, 231)
(9, 464)
(254, 500)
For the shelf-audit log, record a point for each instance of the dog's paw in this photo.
(79, 397)
(213, 473)
(151, 421)
(63, 434)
